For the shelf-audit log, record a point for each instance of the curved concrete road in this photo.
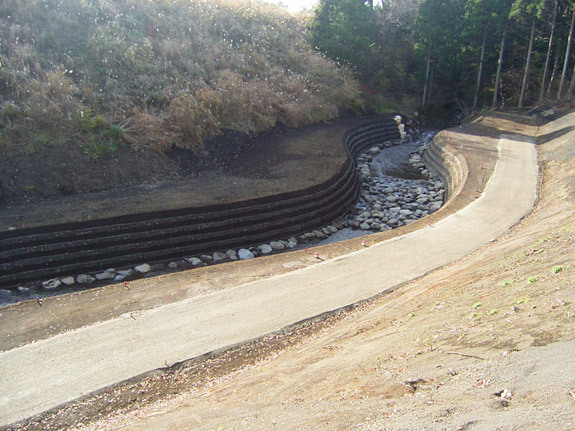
(48, 373)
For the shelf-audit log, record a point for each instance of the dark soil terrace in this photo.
(272, 164)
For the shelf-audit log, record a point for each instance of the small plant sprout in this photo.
(522, 301)
(506, 282)
(116, 132)
(492, 312)
(533, 279)
(412, 314)
(557, 269)
(476, 305)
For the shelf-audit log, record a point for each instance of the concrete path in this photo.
(48, 373)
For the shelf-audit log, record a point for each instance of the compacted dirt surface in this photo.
(482, 343)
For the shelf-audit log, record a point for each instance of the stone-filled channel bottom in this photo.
(397, 189)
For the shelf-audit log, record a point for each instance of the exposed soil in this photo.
(34, 186)
(484, 343)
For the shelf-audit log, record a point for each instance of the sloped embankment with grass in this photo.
(93, 94)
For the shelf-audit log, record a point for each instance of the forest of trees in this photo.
(475, 53)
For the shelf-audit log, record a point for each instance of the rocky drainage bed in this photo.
(386, 202)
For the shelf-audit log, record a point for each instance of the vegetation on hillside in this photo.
(174, 73)
(473, 53)
(375, 41)
(157, 74)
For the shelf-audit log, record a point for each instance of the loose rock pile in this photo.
(386, 203)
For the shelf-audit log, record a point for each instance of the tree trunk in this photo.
(499, 67)
(431, 76)
(566, 61)
(555, 69)
(527, 66)
(426, 85)
(548, 59)
(572, 85)
(480, 71)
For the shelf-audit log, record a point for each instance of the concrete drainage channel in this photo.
(185, 239)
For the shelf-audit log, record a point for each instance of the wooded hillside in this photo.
(472, 53)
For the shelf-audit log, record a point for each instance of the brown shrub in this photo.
(10, 113)
(146, 130)
(190, 121)
(60, 87)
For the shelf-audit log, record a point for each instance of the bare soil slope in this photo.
(435, 354)
(237, 168)
(485, 343)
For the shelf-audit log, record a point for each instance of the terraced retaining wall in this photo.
(45, 252)
(449, 164)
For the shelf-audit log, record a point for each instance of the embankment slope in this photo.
(144, 340)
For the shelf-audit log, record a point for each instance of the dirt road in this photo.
(47, 373)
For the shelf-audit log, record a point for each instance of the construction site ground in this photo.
(483, 342)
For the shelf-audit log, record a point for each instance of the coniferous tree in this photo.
(346, 31)
(543, 93)
(438, 31)
(482, 18)
(528, 11)
(567, 53)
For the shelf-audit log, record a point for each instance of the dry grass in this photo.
(171, 72)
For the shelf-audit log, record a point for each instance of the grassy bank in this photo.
(161, 74)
